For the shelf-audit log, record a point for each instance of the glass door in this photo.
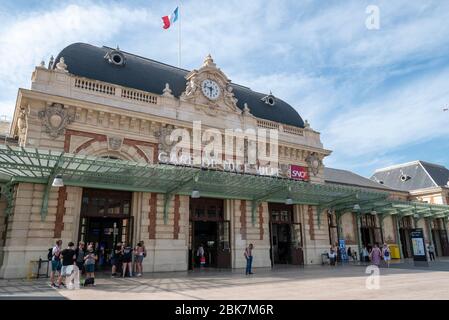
(224, 245)
(297, 257)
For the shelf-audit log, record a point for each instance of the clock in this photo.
(211, 89)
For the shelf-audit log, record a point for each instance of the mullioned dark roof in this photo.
(144, 74)
(415, 175)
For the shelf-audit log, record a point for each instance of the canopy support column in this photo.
(399, 241)
(54, 171)
(359, 238)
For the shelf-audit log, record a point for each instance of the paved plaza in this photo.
(400, 281)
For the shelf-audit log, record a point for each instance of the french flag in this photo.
(168, 21)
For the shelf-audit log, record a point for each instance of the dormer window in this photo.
(115, 57)
(270, 99)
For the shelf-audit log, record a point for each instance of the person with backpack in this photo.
(127, 253)
(249, 258)
(54, 257)
(89, 264)
(386, 254)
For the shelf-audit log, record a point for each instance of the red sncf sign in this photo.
(299, 173)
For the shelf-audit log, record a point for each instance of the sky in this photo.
(375, 95)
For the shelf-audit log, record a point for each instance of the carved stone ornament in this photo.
(55, 119)
(165, 145)
(167, 91)
(22, 121)
(314, 163)
(224, 103)
(115, 143)
(61, 66)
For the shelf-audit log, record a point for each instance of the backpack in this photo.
(50, 254)
(386, 253)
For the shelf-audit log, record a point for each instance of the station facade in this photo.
(103, 120)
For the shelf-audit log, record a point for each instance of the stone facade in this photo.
(82, 116)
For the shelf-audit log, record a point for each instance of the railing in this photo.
(94, 86)
(267, 124)
(293, 130)
(139, 96)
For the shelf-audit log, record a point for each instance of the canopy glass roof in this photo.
(19, 164)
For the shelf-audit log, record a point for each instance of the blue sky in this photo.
(376, 96)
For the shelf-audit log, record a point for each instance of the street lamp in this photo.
(58, 182)
(195, 194)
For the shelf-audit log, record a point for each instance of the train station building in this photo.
(108, 146)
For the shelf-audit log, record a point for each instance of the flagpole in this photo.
(179, 36)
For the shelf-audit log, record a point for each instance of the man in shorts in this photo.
(68, 261)
(55, 262)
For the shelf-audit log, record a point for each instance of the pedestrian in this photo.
(117, 260)
(386, 254)
(376, 255)
(55, 263)
(350, 253)
(365, 254)
(201, 256)
(68, 261)
(127, 253)
(332, 256)
(140, 253)
(79, 252)
(431, 250)
(89, 264)
(249, 258)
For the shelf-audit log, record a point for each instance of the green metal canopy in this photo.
(18, 164)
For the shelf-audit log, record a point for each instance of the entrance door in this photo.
(208, 228)
(206, 235)
(283, 242)
(105, 221)
(105, 233)
(224, 245)
(297, 255)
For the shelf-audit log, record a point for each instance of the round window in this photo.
(116, 57)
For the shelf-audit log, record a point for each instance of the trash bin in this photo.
(395, 253)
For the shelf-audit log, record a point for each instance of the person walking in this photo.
(431, 250)
(376, 255)
(386, 254)
(140, 253)
(249, 258)
(201, 256)
(89, 264)
(127, 253)
(55, 263)
(68, 261)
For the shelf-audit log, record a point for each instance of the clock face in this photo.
(210, 89)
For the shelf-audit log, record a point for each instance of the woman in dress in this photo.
(376, 255)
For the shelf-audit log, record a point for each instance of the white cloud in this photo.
(27, 41)
(410, 113)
